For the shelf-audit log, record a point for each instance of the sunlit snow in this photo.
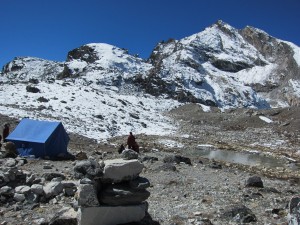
(95, 113)
(266, 119)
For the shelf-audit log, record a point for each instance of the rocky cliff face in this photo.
(25, 68)
(220, 66)
(284, 78)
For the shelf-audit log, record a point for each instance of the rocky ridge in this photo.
(220, 66)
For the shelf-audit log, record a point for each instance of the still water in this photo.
(251, 159)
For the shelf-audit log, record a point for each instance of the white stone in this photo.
(19, 197)
(22, 189)
(117, 170)
(53, 189)
(37, 189)
(108, 215)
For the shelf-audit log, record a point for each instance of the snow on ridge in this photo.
(296, 86)
(112, 57)
(296, 50)
(257, 74)
(97, 114)
(32, 67)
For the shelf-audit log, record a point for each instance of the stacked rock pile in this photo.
(22, 189)
(111, 192)
(21, 186)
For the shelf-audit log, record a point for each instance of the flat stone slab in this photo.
(118, 170)
(111, 215)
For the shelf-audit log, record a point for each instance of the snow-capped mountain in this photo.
(226, 67)
(101, 90)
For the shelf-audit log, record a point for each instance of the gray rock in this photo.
(86, 181)
(240, 214)
(52, 189)
(10, 162)
(57, 179)
(66, 216)
(111, 215)
(294, 211)
(88, 169)
(11, 173)
(70, 191)
(22, 189)
(122, 194)
(215, 165)
(37, 189)
(254, 181)
(129, 154)
(139, 183)
(32, 198)
(177, 159)
(87, 195)
(149, 159)
(19, 197)
(118, 170)
(7, 191)
(3, 179)
(166, 167)
(30, 178)
(68, 184)
(47, 167)
(50, 176)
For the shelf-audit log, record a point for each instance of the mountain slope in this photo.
(221, 66)
(102, 91)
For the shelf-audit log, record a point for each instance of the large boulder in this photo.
(52, 189)
(87, 195)
(87, 169)
(294, 211)
(240, 214)
(254, 181)
(123, 194)
(129, 154)
(105, 215)
(118, 170)
(66, 216)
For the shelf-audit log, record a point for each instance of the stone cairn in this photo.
(111, 192)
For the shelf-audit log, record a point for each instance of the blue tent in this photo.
(40, 138)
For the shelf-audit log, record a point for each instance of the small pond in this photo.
(245, 158)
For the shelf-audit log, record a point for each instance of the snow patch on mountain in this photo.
(296, 50)
(257, 74)
(108, 59)
(295, 84)
(96, 113)
(25, 68)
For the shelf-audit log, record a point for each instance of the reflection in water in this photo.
(242, 158)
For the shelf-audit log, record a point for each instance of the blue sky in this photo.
(49, 29)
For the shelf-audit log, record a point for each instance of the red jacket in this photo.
(130, 140)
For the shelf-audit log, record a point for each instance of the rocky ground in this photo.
(205, 191)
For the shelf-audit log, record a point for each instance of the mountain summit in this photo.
(220, 66)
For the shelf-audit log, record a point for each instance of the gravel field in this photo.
(204, 191)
